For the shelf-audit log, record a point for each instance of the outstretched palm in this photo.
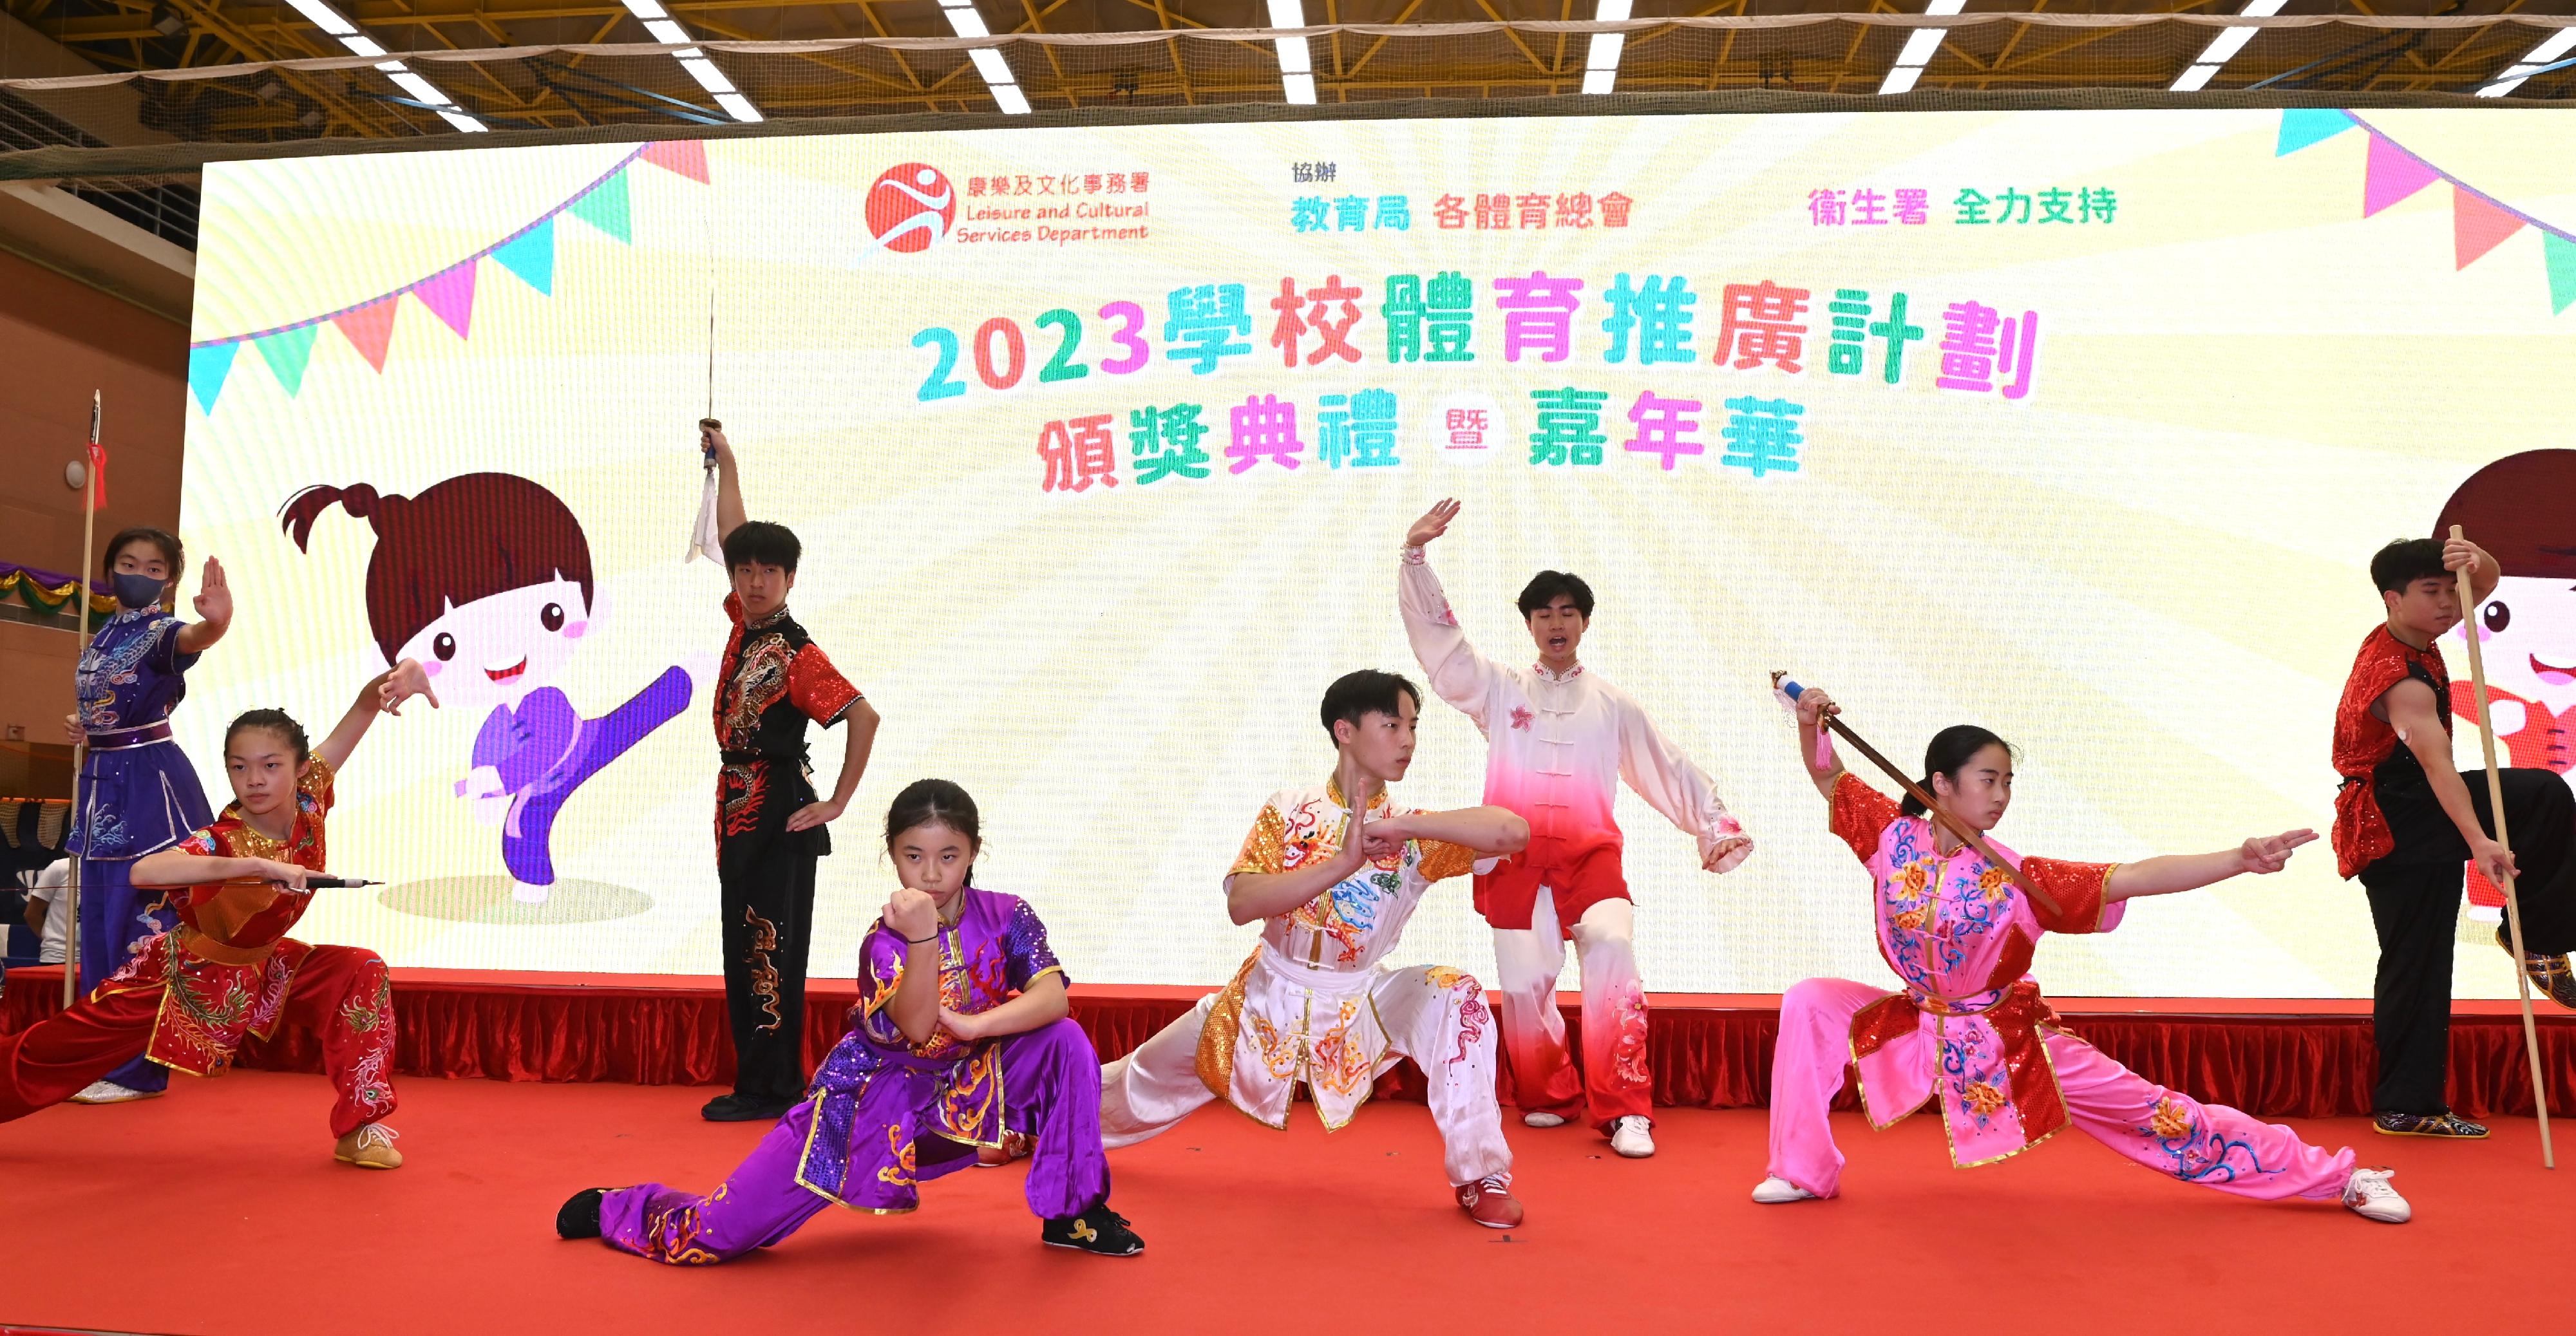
(1434, 522)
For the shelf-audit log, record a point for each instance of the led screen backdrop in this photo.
(1102, 443)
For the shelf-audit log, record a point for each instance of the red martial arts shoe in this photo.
(1489, 1202)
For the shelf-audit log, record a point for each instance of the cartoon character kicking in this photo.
(485, 579)
(2519, 509)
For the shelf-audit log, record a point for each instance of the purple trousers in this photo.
(1052, 1093)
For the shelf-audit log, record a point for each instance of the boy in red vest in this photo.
(2406, 819)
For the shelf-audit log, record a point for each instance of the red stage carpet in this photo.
(2282, 1059)
(218, 1210)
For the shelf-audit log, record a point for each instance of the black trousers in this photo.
(2415, 906)
(768, 908)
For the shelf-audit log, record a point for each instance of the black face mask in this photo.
(138, 591)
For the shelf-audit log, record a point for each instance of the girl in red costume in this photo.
(190, 996)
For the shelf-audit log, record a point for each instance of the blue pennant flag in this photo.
(2302, 126)
(531, 255)
(208, 364)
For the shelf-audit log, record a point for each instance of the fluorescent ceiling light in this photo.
(1612, 11)
(664, 30)
(324, 17)
(989, 63)
(967, 22)
(738, 107)
(2556, 46)
(1012, 101)
(1296, 61)
(647, 9)
(1919, 47)
(2223, 48)
(361, 44)
(1597, 82)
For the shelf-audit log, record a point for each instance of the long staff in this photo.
(2512, 904)
(1967, 834)
(80, 748)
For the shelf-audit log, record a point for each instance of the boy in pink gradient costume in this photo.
(1559, 740)
(1970, 1032)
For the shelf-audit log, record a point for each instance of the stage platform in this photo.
(217, 1211)
(2278, 1058)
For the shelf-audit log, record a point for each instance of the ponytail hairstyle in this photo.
(276, 721)
(470, 537)
(936, 802)
(168, 542)
(1951, 750)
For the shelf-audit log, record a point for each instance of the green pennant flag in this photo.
(604, 207)
(2560, 254)
(287, 351)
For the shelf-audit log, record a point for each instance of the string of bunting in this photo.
(2479, 221)
(528, 254)
(47, 591)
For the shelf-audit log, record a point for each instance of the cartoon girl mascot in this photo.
(485, 579)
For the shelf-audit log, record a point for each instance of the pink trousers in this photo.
(2210, 1145)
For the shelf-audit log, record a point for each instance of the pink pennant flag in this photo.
(2392, 175)
(688, 157)
(369, 328)
(449, 295)
(2478, 225)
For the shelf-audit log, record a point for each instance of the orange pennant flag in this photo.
(2478, 225)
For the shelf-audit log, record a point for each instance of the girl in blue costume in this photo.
(137, 793)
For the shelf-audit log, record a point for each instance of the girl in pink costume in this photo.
(1970, 1030)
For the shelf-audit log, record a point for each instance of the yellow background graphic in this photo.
(2148, 573)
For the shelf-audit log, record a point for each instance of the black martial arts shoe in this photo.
(2445, 1125)
(579, 1218)
(2549, 975)
(1098, 1230)
(742, 1109)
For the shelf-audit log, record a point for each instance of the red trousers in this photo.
(341, 992)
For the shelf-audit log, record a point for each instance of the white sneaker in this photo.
(109, 1092)
(526, 894)
(1775, 1190)
(2371, 1198)
(1632, 1136)
(1542, 1118)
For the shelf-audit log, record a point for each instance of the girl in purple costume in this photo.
(138, 794)
(485, 579)
(962, 1037)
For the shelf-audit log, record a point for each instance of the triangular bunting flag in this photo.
(287, 351)
(2477, 225)
(688, 157)
(449, 295)
(208, 364)
(531, 255)
(2392, 174)
(604, 207)
(2560, 254)
(2302, 126)
(370, 327)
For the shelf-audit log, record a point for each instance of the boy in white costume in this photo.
(1335, 882)
(1559, 740)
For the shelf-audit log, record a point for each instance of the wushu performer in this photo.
(2406, 820)
(228, 971)
(1336, 869)
(1970, 1030)
(138, 794)
(963, 1036)
(1558, 741)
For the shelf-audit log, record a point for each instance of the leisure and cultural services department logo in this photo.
(910, 207)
